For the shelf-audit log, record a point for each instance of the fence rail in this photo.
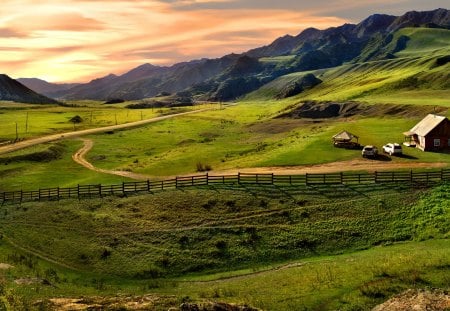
(126, 188)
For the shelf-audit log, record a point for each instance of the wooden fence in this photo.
(128, 188)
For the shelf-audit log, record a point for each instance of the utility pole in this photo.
(26, 124)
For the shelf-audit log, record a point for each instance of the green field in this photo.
(191, 243)
(38, 120)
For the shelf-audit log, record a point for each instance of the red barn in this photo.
(432, 133)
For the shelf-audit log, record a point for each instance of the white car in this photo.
(392, 148)
(369, 151)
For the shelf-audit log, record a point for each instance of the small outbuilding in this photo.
(432, 133)
(345, 139)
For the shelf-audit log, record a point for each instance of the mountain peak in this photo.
(414, 19)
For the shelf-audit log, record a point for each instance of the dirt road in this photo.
(54, 137)
(351, 165)
(79, 157)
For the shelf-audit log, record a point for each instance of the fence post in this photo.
(57, 189)
(100, 190)
(411, 176)
(375, 176)
(207, 178)
(272, 179)
(123, 188)
(21, 195)
(39, 196)
(306, 178)
(290, 180)
(239, 177)
(442, 174)
(257, 179)
(342, 177)
(78, 191)
(148, 185)
(176, 181)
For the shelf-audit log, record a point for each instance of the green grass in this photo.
(322, 248)
(48, 172)
(246, 135)
(37, 120)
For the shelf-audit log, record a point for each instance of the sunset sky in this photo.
(78, 40)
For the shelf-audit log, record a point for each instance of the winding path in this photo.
(79, 157)
(74, 134)
(341, 166)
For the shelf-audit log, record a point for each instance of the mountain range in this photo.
(235, 75)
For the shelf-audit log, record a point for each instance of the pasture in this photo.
(326, 247)
(247, 135)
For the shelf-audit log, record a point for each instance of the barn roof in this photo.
(344, 135)
(427, 124)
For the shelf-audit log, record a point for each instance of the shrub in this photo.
(203, 167)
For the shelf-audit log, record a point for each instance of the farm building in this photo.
(432, 133)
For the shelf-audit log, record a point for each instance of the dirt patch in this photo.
(29, 281)
(147, 302)
(341, 166)
(5, 266)
(417, 300)
(327, 110)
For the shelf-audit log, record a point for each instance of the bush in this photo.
(203, 167)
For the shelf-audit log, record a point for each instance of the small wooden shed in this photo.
(432, 133)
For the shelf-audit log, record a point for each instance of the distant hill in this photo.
(13, 90)
(53, 90)
(235, 75)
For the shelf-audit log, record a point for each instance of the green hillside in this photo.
(170, 244)
(418, 74)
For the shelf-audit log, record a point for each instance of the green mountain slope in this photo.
(418, 72)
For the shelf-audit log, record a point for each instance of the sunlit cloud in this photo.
(78, 40)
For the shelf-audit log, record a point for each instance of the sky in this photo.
(79, 40)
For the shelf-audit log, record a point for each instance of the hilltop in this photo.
(13, 90)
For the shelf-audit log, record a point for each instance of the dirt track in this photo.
(351, 165)
(54, 137)
(79, 157)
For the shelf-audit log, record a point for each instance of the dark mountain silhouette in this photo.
(13, 90)
(234, 75)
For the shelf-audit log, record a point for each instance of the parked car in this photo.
(392, 148)
(369, 151)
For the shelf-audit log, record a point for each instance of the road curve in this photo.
(60, 136)
(79, 157)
